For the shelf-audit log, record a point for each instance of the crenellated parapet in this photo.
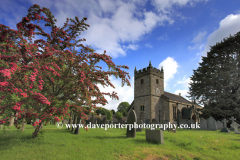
(149, 70)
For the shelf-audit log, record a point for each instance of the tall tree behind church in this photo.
(216, 82)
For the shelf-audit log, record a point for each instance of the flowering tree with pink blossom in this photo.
(44, 81)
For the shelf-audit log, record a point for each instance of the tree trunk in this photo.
(37, 130)
(23, 124)
(11, 120)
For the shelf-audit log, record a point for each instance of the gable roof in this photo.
(170, 96)
(175, 97)
(178, 98)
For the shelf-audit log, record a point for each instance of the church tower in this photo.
(148, 87)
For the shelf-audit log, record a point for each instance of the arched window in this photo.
(156, 81)
(142, 107)
(141, 81)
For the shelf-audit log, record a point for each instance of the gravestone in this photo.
(92, 120)
(139, 129)
(219, 125)
(225, 129)
(232, 119)
(211, 123)
(121, 121)
(130, 120)
(203, 124)
(190, 123)
(147, 121)
(98, 120)
(95, 120)
(79, 121)
(154, 121)
(154, 136)
(104, 120)
(235, 126)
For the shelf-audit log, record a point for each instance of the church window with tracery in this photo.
(157, 81)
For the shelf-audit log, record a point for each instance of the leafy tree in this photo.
(46, 82)
(113, 111)
(122, 107)
(118, 115)
(216, 81)
(109, 115)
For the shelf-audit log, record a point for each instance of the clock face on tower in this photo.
(157, 90)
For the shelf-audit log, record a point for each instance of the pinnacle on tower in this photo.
(135, 68)
(161, 68)
(150, 65)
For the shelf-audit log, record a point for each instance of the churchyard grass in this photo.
(61, 144)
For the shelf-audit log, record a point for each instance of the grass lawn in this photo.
(99, 144)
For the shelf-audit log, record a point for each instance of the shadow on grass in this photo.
(108, 137)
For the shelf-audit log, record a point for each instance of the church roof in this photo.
(175, 97)
(170, 96)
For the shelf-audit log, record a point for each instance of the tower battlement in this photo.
(148, 70)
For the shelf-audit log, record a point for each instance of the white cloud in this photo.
(229, 25)
(185, 82)
(199, 37)
(125, 93)
(148, 45)
(111, 22)
(131, 46)
(165, 6)
(197, 40)
(170, 67)
(183, 93)
(163, 37)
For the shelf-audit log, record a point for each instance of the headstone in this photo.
(98, 120)
(95, 120)
(139, 129)
(219, 125)
(203, 124)
(154, 121)
(104, 120)
(190, 123)
(147, 121)
(154, 135)
(79, 121)
(225, 129)
(211, 123)
(235, 126)
(130, 120)
(121, 121)
(232, 120)
(92, 120)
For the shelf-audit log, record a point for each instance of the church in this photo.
(154, 105)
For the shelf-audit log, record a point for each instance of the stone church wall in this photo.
(137, 107)
(164, 110)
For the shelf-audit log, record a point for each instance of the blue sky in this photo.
(171, 33)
